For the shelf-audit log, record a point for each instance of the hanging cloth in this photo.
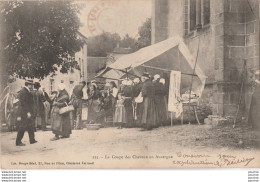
(174, 102)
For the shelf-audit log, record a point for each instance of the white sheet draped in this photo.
(174, 103)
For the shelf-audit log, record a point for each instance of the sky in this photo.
(117, 16)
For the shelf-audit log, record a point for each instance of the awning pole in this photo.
(129, 73)
(194, 72)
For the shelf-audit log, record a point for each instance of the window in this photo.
(206, 12)
(192, 14)
(71, 84)
(197, 14)
(51, 87)
(82, 69)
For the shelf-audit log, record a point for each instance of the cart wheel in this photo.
(9, 122)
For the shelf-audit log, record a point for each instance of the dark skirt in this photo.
(254, 114)
(139, 113)
(94, 110)
(129, 112)
(161, 109)
(149, 116)
(60, 123)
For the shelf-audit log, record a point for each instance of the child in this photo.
(120, 112)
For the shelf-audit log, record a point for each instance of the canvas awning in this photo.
(170, 54)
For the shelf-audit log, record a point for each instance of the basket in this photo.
(93, 126)
(66, 109)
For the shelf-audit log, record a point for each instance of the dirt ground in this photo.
(112, 140)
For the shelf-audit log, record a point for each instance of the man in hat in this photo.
(76, 100)
(39, 99)
(25, 114)
(149, 115)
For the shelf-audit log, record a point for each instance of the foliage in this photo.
(128, 42)
(38, 36)
(144, 35)
(101, 45)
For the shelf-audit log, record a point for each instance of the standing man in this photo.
(46, 104)
(76, 100)
(39, 99)
(25, 114)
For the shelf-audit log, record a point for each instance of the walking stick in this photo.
(240, 94)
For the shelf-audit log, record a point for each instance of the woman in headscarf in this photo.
(113, 92)
(254, 114)
(165, 99)
(94, 104)
(149, 115)
(159, 100)
(60, 122)
(128, 103)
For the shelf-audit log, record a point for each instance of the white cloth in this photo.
(84, 116)
(156, 77)
(85, 94)
(114, 92)
(61, 86)
(129, 83)
(136, 80)
(174, 102)
(162, 80)
(124, 82)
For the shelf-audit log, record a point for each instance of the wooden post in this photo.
(171, 118)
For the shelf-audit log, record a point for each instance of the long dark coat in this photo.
(160, 104)
(64, 119)
(39, 99)
(149, 116)
(129, 93)
(254, 114)
(25, 106)
(94, 107)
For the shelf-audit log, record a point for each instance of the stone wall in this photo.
(230, 40)
(252, 47)
(236, 44)
(160, 20)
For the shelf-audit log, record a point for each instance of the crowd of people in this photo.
(141, 102)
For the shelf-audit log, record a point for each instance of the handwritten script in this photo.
(222, 160)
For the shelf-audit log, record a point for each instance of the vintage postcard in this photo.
(130, 84)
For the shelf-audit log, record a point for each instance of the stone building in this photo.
(227, 34)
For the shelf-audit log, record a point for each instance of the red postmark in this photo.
(106, 16)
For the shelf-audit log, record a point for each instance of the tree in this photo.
(101, 45)
(37, 37)
(144, 35)
(128, 42)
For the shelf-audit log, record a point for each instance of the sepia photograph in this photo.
(129, 84)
